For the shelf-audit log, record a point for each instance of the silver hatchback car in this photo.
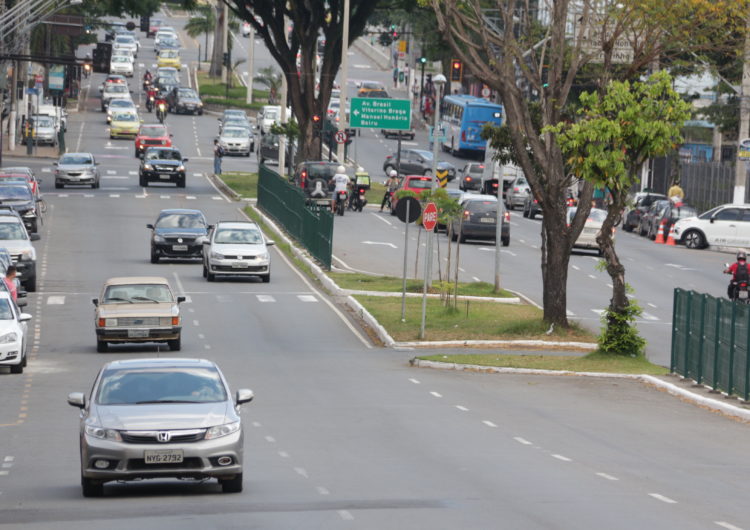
(160, 418)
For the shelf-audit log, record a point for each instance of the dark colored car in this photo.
(471, 177)
(669, 215)
(21, 198)
(183, 100)
(178, 233)
(269, 148)
(162, 164)
(480, 221)
(642, 202)
(648, 224)
(314, 177)
(531, 207)
(417, 162)
(166, 84)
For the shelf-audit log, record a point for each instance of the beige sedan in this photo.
(137, 309)
(587, 238)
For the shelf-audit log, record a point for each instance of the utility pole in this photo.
(250, 67)
(282, 137)
(740, 166)
(225, 44)
(344, 119)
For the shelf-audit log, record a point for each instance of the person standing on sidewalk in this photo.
(218, 155)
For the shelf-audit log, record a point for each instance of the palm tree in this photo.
(269, 77)
(202, 23)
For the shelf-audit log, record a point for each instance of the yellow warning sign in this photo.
(402, 46)
(443, 178)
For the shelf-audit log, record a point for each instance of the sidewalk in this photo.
(40, 152)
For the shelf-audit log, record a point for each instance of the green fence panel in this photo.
(695, 336)
(679, 329)
(739, 357)
(312, 227)
(723, 365)
(710, 340)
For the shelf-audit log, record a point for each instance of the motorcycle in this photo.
(737, 288)
(358, 200)
(150, 103)
(340, 202)
(161, 112)
(86, 70)
(146, 84)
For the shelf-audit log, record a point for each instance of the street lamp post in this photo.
(344, 120)
(250, 67)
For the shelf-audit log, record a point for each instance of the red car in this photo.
(153, 27)
(415, 183)
(151, 134)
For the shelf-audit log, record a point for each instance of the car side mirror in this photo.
(184, 159)
(712, 219)
(270, 242)
(244, 395)
(171, 135)
(77, 399)
(181, 299)
(150, 226)
(54, 163)
(24, 317)
(34, 237)
(211, 227)
(95, 301)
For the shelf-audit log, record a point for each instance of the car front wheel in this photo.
(91, 488)
(694, 239)
(232, 485)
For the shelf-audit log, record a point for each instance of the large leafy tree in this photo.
(308, 19)
(618, 131)
(532, 54)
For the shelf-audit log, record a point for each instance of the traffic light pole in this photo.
(344, 121)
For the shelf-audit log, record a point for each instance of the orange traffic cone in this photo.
(670, 238)
(660, 232)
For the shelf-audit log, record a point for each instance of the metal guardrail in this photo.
(311, 226)
(711, 342)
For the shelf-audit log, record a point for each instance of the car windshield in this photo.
(168, 54)
(181, 220)
(270, 114)
(420, 183)
(324, 171)
(153, 130)
(188, 93)
(121, 103)
(13, 178)
(137, 292)
(681, 212)
(235, 133)
(43, 121)
(478, 170)
(234, 114)
(710, 213)
(14, 192)
(6, 313)
(120, 59)
(427, 155)
(117, 88)
(238, 235)
(488, 207)
(595, 216)
(75, 160)
(125, 386)
(124, 116)
(125, 39)
(163, 154)
(10, 231)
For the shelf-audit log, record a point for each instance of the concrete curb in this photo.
(223, 187)
(372, 53)
(672, 389)
(586, 346)
(419, 295)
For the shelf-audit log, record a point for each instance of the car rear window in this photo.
(127, 386)
(476, 169)
(681, 212)
(482, 206)
(420, 183)
(320, 171)
(137, 293)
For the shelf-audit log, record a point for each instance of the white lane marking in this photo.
(726, 525)
(88, 195)
(196, 323)
(55, 300)
(598, 311)
(652, 305)
(489, 423)
(306, 298)
(570, 313)
(522, 441)
(256, 424)
(3, 473)
(190, 197)
(217, 198)
(206, 346)
(9, 459)
(649, 316)
(592, 276)
(345, 515)
(132, 172)
(460, 269)
(63, 195)
(362, 66)
(111, 172)
(283, 454)
(164, 196)
(561, 457)
(8, 465)
(270, 439)
(610, 286)
(576, 267)
(265, 298)
(197, 174)
(114, 195)
(201, 336)
(436, 394)
(301, 471)
(415, 381)
(379, 243)
(475, 279)
(606, 476)
(180, 288)
(462, 408)
(322, 491)
(46, 170)
(386, 221)
(662, 498)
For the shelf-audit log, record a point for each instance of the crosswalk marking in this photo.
(265, 298)
(307, 298)
(197, 174)
(55, 300)
(216, 198)
(132, 172)
(46, 170)
(111, 172)
(649, 316)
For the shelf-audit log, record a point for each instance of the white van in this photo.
(270, 114)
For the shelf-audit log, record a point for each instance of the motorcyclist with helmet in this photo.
(340, 182)
(147, 78)
(390, 187)
(740, 274)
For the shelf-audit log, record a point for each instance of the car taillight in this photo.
(463, 136)
(467, 179)
(506, 215)
(515, 190)
(101, 322)
(175, 321)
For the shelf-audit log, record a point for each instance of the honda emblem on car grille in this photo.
(179, 240)
(163, 436)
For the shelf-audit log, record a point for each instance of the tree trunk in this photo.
(217, 53)
(615, 269)
(555, 259)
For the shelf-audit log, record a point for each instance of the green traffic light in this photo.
(423, 60)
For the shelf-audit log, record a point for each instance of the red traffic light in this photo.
(316, 118)
(456, 65)
(457, 70)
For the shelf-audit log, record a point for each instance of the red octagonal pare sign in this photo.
(429, 216)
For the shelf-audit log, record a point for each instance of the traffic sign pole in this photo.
(406, 253)
(429, 220)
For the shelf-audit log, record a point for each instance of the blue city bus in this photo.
(462, 118)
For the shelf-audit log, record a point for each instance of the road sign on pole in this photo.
(429, 216)
(381, 113)
(340, 137)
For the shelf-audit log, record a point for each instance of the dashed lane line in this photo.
(607, 476)
(662, 498)
(561, 457)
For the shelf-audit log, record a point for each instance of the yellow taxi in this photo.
(124, 124)
(169, 58)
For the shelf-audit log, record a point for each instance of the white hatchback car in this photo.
(13, 332)
(727, 225)
(121, 64)
(126, 42)
(236, 248)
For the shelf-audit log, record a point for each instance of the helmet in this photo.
(341, 169)
(392, 173)
(741, 255)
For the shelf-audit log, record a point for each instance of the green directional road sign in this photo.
(381, 113)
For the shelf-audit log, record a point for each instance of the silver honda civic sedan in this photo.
(160, 418)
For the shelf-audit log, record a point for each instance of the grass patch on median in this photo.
(366, 282)
(213, 91)
(593, 362)
(472, 320)
(242, 182)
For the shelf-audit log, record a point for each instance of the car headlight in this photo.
(222, 430)
(158, 239)
(103, 434)
(148, 167)
(265, 255)
(216, 255)
(180, 168)
(28, 254)
(9, 337)
(29, 214)
(200, 103)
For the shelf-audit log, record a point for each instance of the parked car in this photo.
(124, 124)
(673, 212)
(19, 196)
(479, 220)
(531, 207)
(120, 104)
(137, 309)
(517, 192)
(184, 100)
(14, 334)
(178, 233)
(26, 172)
(156, 418)
(16, 240)
(727, 225)
(152, 134)
(591, 229)
(415, 183)
(471, 176)
(6, 260)
(76, 168)
(236, 141)
(236, 249)
(417, 161)
(44, 130)
(647, 225)
(641, 202)
(267, 116)
(314, 177)
(162, 164)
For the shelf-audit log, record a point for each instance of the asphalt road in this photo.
(341, 434)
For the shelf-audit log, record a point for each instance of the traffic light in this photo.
(145, 23)
(316, 124)
(102, 55)
(130, 26)
(385, 39)
(394, 32)
(423, 59)
(226, 59)
(457, 70)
